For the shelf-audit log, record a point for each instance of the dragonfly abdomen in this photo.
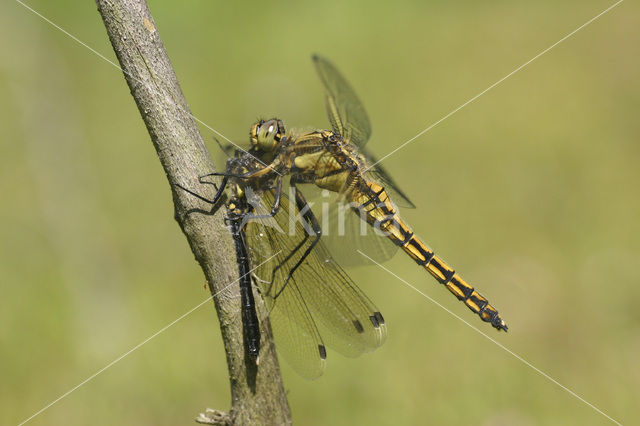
(445, 275)
(381, 214)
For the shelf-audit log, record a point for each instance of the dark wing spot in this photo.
(374, 321)
(379, 317)
(323, 351)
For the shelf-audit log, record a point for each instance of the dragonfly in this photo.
(336, 160)
(310, 297)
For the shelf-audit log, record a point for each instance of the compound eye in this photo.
(269, 134)
(266, 135)
(269, 129)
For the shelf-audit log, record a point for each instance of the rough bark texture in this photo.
(257, 395)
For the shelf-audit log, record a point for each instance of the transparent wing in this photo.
(318, 298)
(380, 175)
(349, 119)
(346, 113)
(344, 232)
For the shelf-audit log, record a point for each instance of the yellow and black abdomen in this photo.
(376, 207)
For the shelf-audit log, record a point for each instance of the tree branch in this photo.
(257, 394)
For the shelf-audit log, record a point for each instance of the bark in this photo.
(257, 394)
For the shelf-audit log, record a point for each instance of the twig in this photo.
(257, 395)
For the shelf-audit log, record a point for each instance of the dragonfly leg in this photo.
(274, 208)
(293, 251)
(216, 197)
(311, 219)
(276, 202)
(247, 176)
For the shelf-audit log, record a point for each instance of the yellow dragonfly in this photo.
(336, 160)
(311, 299)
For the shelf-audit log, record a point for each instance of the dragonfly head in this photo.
(266, 135)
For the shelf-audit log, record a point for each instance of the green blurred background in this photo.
(531, 192)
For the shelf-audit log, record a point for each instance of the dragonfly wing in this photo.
(350, 120)
(380, 175)
(344, 232)
(319, 294)
(356, 236)
(346, 113)
(295, 333)
(349, 321)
